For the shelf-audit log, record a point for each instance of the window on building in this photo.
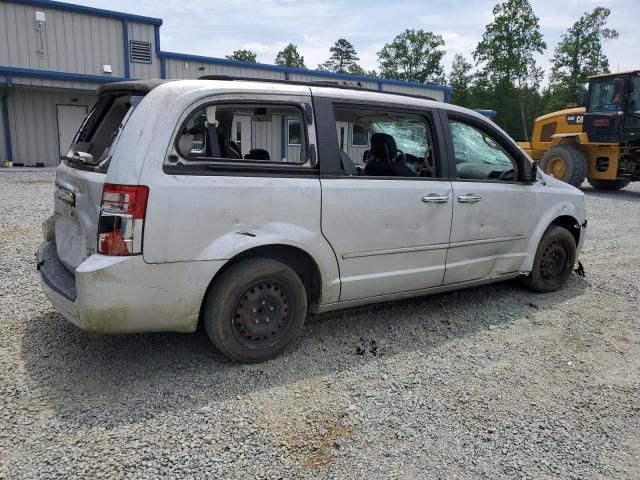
(359, 136)
(294, 129)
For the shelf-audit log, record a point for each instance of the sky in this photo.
(215, 28)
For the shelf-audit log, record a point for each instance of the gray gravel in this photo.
(492, 382)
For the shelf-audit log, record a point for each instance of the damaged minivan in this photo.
(247, 205)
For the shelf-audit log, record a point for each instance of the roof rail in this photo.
(316, 83)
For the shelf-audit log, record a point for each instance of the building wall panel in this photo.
(144, 33)
(73, 42)
(413, 90)
(34, 124)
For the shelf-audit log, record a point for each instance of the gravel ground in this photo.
(492, 382)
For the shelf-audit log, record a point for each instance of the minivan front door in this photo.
(492, 213)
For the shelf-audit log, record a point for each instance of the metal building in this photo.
(53, 55)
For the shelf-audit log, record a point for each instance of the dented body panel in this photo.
(370, 240)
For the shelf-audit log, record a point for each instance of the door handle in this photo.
(435, 198)
(469, 198)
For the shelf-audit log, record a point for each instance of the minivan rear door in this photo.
(81, 175)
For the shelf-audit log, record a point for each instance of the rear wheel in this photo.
(617, 184)
(566, 163)
(255, 310)
(554, 260)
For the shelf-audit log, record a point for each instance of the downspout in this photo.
(5, 122)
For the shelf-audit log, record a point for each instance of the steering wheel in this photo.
(505, 174)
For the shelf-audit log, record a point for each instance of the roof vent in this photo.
(140, 52)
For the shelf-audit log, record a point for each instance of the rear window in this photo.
(92, 144)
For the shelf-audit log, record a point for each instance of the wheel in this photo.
(566, 163)
(617, 184)
(255, 310)
(553, 263)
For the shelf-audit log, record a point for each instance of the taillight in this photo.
(122, 213)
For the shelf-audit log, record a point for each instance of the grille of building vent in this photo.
(140, 52)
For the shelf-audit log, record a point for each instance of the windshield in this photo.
(607, 95)
(410, 135)
(92, 143)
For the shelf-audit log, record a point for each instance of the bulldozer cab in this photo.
(613, 108)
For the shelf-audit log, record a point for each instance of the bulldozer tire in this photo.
(617, 184)
(566, 163)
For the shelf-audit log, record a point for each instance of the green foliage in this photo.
(242, 56)
(343, 58)
(290, 57)
(579, 55)
(414, 55)
(461, 80)
(509, 43)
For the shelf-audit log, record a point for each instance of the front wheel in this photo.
(617, 184)
(566, 163)
(255, 310)
(554, 260)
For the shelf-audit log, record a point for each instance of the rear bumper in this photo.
(107, 295)
(58, 284)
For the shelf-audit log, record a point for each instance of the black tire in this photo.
(255, 310)
(554, 260)
(617, 184)
(574, 160)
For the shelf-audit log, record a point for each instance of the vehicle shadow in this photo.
(625, 195)
(123, 379)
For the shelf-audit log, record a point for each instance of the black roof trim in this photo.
(144, 86)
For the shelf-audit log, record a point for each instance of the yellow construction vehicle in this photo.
(599, 142)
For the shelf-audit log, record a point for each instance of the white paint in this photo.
(70, 118)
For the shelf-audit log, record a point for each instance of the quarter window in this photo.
(478, 155)
(239, 133)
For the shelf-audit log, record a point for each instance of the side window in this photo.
(385, 143)
(478, 154)
(244, 133)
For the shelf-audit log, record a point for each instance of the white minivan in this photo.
(248, 204)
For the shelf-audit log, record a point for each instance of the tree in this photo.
(506, 52)
(290, 57)
(242, 56)
(461, 80)
(579, 55)
(414, 55)
(343, 58)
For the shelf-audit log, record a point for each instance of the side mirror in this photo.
(534, 172)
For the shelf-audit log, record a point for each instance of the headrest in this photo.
(383, 146)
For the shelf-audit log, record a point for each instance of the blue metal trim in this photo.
(53, 75)
(284, 131)
(125, 39)
(380, 86)
(5, 121)
(98, 12)
(156, 34)
(302, 71)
